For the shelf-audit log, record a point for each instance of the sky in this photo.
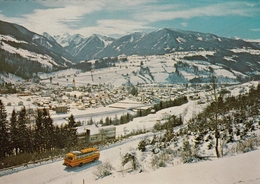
(116, 18)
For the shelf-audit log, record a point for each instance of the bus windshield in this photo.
(68, 157)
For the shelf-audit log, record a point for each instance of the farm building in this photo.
(61, 109)
(96, 135)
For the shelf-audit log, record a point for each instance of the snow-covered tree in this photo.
(130, 157)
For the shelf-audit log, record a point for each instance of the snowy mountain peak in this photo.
(106, 40)
(48, 36)
(66, 35)
(66, 39)
(83, 48)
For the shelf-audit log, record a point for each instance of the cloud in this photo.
(123, 24)
(256, 30)
(250, 4)
(55, 18)
(69, 16)
(171, 12)
(184, 24)
(119, 17)
(115, 27)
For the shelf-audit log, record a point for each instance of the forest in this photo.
(22, 141)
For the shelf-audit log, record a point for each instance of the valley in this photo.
(177, 100)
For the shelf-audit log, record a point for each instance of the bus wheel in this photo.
(80, 164)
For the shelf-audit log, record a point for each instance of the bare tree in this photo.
(216, 112)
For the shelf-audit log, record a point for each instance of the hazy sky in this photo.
(228, 18)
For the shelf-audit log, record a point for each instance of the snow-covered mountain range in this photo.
(168, 40)
(44, 53)
(83, 48)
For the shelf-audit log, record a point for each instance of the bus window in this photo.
(69, 158)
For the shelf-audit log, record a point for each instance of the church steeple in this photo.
(74, 83)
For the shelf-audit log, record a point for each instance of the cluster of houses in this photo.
(60, 99)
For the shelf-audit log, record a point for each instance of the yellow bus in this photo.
(78, 158)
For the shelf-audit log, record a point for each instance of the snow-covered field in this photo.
(243, 168)
(160, 66)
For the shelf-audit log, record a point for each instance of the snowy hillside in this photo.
(156, 69)
(45, 60)
(29, 52)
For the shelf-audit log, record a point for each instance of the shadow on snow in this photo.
(83, 167)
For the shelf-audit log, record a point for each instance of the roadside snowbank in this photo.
(243, 168)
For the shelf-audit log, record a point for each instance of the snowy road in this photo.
(55, 172)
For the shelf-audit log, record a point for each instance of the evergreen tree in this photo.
(110, 121)
(90, 122)
(60, 136)
(187, 155)
(160, 105)
(4, 132)
(39, 132)
(107, 121)
(71, 132)
(14, 132)
(101, 122)
(23, 131)
(134, 90)
(49, 132)
(169, 129)
(71, 122)
(122, 120)
(116, 120)
(128, 118)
